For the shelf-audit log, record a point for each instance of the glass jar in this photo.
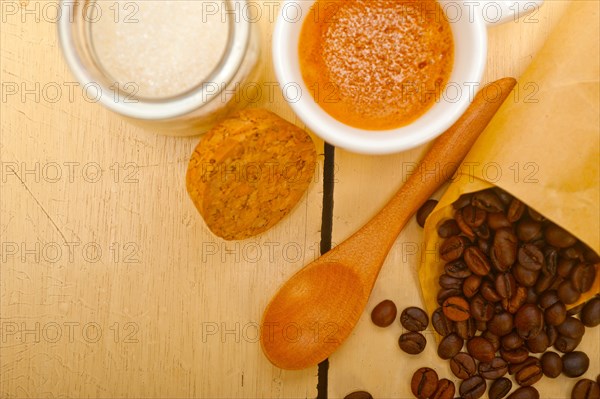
(156, 63)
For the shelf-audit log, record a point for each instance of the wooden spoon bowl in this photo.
(317, 308)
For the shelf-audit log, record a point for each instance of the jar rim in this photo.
(158, 108)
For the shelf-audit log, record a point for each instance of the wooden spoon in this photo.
(317, 308)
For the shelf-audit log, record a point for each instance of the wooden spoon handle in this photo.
(439, 164)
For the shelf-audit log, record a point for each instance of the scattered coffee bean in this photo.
(472, 388)
(586, 389)
(515, 356)
(590, 314)
(463, 365)
(529, 361)
(529, 374)
(555, 314)
(529, 321)
(465, 329)
(441, 323)
(414, 319)
(471, 285)
(512, 341)
(551, 364)
(456, 308)
(481, 309)
(425, 210)
(494, 340)
(501, 324)
(494, 369)
(565, 344)
(412, 343)
(539, 343)
(384, 313)
(500, 388)
(359, 395)
(449, 346)
(583, 276)
(481, 349)
(575, 310)
(525, 393)
(447, 281)
(571, 328)
(445, 390)
(424, 382)
(575, 364)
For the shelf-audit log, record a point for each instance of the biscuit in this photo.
(248, 172)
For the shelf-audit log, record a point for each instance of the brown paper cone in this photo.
(543, 145)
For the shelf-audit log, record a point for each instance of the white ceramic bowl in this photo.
(469, 30)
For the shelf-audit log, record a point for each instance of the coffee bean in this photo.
(529, 321)
(424, 382)
(445, 390)
(505, 285)
(552, 334)
(463, 226)
(472, 388)
(446, 293)
(529, 374)
(500, 388)
(462, 201)
(458, 269)
(571, 328)
(497, 220)
(501, 324)
(558, 237)
(485, 246)
(477, 261)
(565, 267)
(566, 344)
(412, 343)
(489, 292)
(473, 217)
(452, 248)
(515, 210)
(573, 252)
(463, 365)
(548, 298)
(447, 281)
(555, 314)
(493, 338)
(513, 304)
(471, 285)
(575, 310)
(585, 389)
(550, 261)
(456, 308)
(568, 293)
(504, 249)
(525, 393)
(494, 369)
(539, 343)
(589, 255)
(483, 234)
(512, 341)
(414, 319)
(359, 395)
(425, 210)
(544, 282)
(488, 201)
(551, 364)
(590, 314)
(583, 276)
(481, 349)
(449, 346)
(535, 215)
(514, 368)
(448, 228)
(529, 230)
(530, 257)
(465, 329)
(480, 325)
(532, 296)
(575, 364)
(524, 276)
(384, 313)
(503, 195)
(514, 356)
(440, 322)
(481, 309)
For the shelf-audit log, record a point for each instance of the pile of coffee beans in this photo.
(509, 275)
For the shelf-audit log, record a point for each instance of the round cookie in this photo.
(248, 172)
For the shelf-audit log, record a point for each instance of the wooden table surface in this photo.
(112, 286)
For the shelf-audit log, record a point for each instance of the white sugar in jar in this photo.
(174, 65)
